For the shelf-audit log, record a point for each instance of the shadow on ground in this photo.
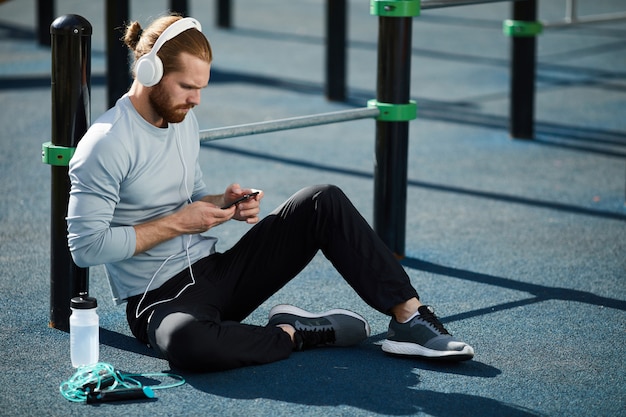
(357, 377)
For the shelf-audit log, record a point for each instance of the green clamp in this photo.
(56, 155)
(521, 28)
(397, 8)
(394, 112)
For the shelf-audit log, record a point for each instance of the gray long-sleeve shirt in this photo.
(125, 172)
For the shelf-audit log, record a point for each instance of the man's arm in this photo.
(197, 217)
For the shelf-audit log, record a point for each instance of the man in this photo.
(139, 205)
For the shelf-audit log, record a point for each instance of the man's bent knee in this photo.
(190, 344)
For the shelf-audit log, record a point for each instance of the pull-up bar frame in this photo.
(207, 135)
(392, 110)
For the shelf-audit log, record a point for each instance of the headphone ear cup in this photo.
(149, 70)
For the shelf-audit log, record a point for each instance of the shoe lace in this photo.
(428, 314)
(307, 339)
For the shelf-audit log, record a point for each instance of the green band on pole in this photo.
(397, 8)
(390, 112)
(521, 28)
(56, 155)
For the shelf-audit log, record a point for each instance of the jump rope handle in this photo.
(125, 394)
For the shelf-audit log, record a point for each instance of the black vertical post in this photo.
(224, 14)
(118, 66)
(45, 13)
(392, 138)
(523, 67)
(71, 112)
(336, 22)
(180, 6)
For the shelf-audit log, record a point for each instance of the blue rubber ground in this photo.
(519, 245)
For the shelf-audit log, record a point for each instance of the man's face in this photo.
(179, 91)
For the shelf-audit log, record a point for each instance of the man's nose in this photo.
(194, 98)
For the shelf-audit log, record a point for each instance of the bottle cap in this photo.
(84, 302)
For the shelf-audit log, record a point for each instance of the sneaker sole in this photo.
(293, 310)
(413, 349)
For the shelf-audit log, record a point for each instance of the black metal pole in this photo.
(336, 22)
(224, 14)
(180, 6)
(392, 138)
(45, 14)
(118, 64)
(71, 112)
(523, 67)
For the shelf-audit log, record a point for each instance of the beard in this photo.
(162, 105)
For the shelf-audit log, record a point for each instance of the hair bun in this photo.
(133, 35)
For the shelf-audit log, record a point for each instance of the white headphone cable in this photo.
(193, 279)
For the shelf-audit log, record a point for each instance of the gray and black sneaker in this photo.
(425, 336)
(335, 327)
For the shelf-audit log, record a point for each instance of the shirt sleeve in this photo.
(95, 184)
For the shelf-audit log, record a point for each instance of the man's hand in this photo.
(247, 210)
(200, 216)
(197, 217)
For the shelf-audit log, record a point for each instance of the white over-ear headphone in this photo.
(149, 68)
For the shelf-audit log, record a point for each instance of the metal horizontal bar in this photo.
(436, 4)
(597, 18)
(207, 135)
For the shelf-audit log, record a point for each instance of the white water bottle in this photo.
(84, 331)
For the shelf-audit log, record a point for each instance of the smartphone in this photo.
(240, 199)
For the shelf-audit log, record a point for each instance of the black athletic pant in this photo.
(201, 331)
